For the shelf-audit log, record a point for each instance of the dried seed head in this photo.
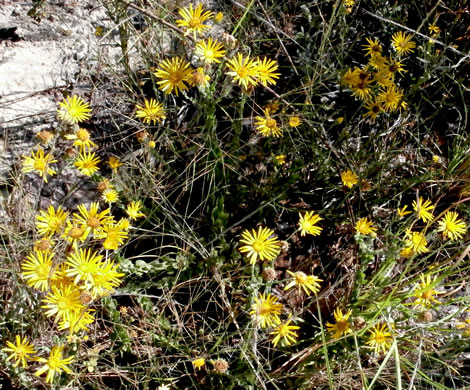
(220, 365)
(269, 274)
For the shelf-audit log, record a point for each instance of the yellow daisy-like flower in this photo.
(73, 110)
(434, 29)
(365, 227)
(106, 279)
(349, 178)
(307, 224)
(133, 210)
(79, 321)
(199, 363)
(294, 121)
(265, 71)
(266, 310)
(342, 326)
(308, 283)
(406, 252)
(424, 209)
(210, 51)
(91, 219)
(82, 139)
(243, 70)
(451, 226)
(403, 43)
(87, 163)
(350, 77)
(281, 159)
(218, 17)
(390, 98)
(193, 19)
(285, 334)
(151, 111)
(62, 302)
(425, 293)
(373, 109)
(114, 163)
(61, 278)
(403, 211)
(362, 89)
(378, 61)
(114, 234)
(380, 338)
(349, 3)
(263, 244)
(267, 125)
(110, 195)
(39, 163)
(52, 221)
(20, 352)
(416, 241)
(373, 47)
(174, 73)
(83, 264)
(383, 78)
(74, 232)
(393, 66)
(199, 77)
(54, 364)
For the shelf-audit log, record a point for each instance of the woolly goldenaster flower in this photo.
(390, 98)
(133, 210)
(39, 163)
(393, 66)
(55, 364)
(20, 352)
(341, 326)
(199, 78)
(91, 219)
(416, 241)
(373, 47)
(285, 334)
(74, 232)
(151, 112)
(363, 89)
(210, 51)
(402, 43)
(243, 70)
(114, 234)
(87, 163)
(403, 211)
(38, 270)
(193, 19)
(78, 322)
(83, 264)
(406, 252)
(307, 224)
(266, 310)
(349, 178)
(52, 221)
(61, 278)
(364, 226)
(114, 163)
(110, 195)
(308, 283)
(424, 209)
(82, 139)
(281, 159)
(425, 292)
(73, 110)
(373, 109)
(106, 279)
(263, 244)
(174, 73)
(265, 71)
(62, 302)
(199, 363)
(380, 338)
(267, 125)
(451, 226)
(294, 121)
(434, 29)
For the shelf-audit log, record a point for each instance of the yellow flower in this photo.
(308, 283)
(74, 232)
(434, 29)
(62, 302)
(83, 264)
(218, 17)
(73, 110)
(341, 327)
(262, 243)
(390, 98)
(307, 224)
(406, 252)
(20, 351)
(383, 78)
(373, 47)
(285, 334)
(52, 221)
(82, 139)
(265, 71)
(268, 126)
(174, 73)
(349, 3)
(380, 338)
(198, 77)
(436, 158)
(110, 195)
(133, 210)
(425, 293)
(87, 163)
(349, 178)
(106, 279)
(465, 325)
(362, 89)
(210, 51)
(378, 61)
(350, 77)
(55, 364)
(364, 226)
(266, 310)
(199, 363)
(243, 70)
(61, 278)
(193, 19)
(151, 144)
(281, 159)
(424, 210)
(416, 241)
(294, 121)
(39, 163)
(79, 321)
(114, 235)
(451, 226)
(91, 220)
(151, 111)
(373, 109)
(402, 211)
(114, 163)
(402, 43)
(393, 66)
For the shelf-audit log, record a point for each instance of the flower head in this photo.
(365, 227)
(83, 264)
(82, 139)
(416, 241)
(151, 112)
(55, 364)
(402, 43)
(193, 19)
(265, 71)
(39, 163)
(52, 221)
(243, 70)
(349, 178)
(425, 292)
(341, 326)
(390, 98)
(74, 232)
(114, 163)
(210, 50)
(133, 210)
(80, 320)
(307, 224)
(114, 234)
(62, 302)
(267, 125)
(199, 77)
(91, 220)
(424, 209)
(73, 110)
(266, 310)
(372, 47)
(434, 29)
(106, 279)
(20, 352)
(87, 163)
(44, 245)
(285, 334)
(281, 159)
(380, 338)
(308, 283)
(403, 211)
(451, 226)
(373, 109)
(174, 73)
(262, 243)
(199, 363)
(294, 121)
(110, 195)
